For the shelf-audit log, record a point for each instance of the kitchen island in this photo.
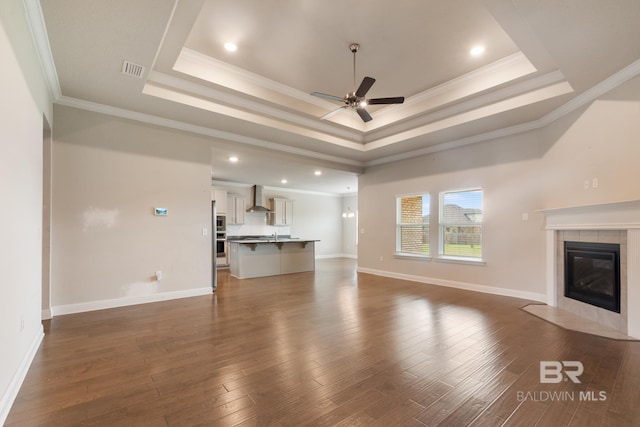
(270, 256)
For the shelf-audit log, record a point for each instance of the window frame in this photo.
(442, 226)
(399, 253)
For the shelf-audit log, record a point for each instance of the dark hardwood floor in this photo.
(330, 348)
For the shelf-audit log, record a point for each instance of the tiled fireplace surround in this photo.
(617, 321)
(605, 223)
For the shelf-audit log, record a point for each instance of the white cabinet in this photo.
(282, 211)
(235, 209)
(220, 197)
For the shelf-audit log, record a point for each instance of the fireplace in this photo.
(592, 273)
(615, 223)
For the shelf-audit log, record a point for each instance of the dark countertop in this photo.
(270, 240)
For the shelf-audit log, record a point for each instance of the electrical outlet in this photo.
(525, 216)
(205, 232)
(586, 184)
(158, 275)
(381, 258)
(594, 183)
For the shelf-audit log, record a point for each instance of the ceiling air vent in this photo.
(131, 69)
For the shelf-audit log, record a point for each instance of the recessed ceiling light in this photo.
(317, 173)
(284, 181)
(231, 47)
(476, 50)
(233, 159)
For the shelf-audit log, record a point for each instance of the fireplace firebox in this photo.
(592, 274)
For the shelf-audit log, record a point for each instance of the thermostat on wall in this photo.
(160, 211)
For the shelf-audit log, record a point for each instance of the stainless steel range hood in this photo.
(257, 200)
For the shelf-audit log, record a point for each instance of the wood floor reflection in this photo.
(330, 348)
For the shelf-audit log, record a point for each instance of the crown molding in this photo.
(189, 56)
(590, 95)
(218, 96)
(169, 94)
(610, 83)
(219, 183)
(300, 191)
(198, 65)
(38, 28)
(483, 101)
(627, 73)
(497, 73)
(514, 66)
(457, 143)
(482, 111)
(199, 130)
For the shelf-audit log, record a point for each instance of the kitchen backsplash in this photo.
(255, 224)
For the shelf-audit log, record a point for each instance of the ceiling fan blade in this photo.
(366, 84)
(364, 115)
(331, 113)
(395, 100)
(329, 97)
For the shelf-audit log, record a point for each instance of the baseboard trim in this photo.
(458, 285)
(330, 256)
(123, 302)
(46, 314)
(16, 382)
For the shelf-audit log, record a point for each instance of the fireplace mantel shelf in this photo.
(595, 206)
(623, 215)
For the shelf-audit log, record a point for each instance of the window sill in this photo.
(449, 259)
(400, 255)
(460, 260)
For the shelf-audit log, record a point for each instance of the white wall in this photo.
(108, 175)
(349, 226)
(24, 100)
(521, 174)
(316, 216)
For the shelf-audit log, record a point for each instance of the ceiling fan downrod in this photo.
(354, 48)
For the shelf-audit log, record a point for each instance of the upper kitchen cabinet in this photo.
(235, 209)
(220, 197)
(282, 211)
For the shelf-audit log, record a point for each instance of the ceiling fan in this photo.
(356, 100)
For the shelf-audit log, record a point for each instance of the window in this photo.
(461, 223)
(412, 224)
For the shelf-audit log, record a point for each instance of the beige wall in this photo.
(108, 175)
(24, 101)
(520, 174)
